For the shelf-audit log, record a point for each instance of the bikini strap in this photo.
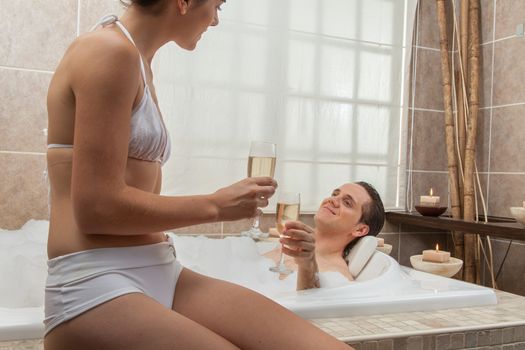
(110, 19)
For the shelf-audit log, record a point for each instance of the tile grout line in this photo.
(26, 69)
(78, 18)
(24, 153)
(408, 194)
(508, 105)
(480, 172)
(517, 104)
(428, 48)
(491, 101)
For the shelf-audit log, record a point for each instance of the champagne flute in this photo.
(261, 162)
(288, 207)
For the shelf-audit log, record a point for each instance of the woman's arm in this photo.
(105, 78)
(300, 244)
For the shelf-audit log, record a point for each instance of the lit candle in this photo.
(437, 255)
(380, 242)
(432, 201)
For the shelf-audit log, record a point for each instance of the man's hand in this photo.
(299, 242)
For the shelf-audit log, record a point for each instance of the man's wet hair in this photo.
(373, 214)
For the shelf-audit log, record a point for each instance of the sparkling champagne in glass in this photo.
(288, 208)
(261, 162)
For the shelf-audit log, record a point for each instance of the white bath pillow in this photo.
(360, 254)
(377, 264)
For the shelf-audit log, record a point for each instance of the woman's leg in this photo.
(245, 318)
(133, 321)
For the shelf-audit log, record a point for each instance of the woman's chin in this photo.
(189, 46)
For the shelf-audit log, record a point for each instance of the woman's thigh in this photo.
(133, 321)
(246, 318)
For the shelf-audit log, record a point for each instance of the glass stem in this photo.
(281, 261)
(256, 221)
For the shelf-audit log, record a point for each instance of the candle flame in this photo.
(431, 192)
(437, 247)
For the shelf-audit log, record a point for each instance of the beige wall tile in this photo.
(505, 191)
(91, 11)
(486, 76)
(23, 189)
(414, 243)
(483, 179)
(509, 70)
(509, 280)
(429, 151)
(482, 140)
(393, 240)
(405, 228)
(509, 13)
(240, 226)
(487, 20)
(35, 34)
(23, 110)
(307, 219)
(213, 228)
(422, 182)
(508, 139)
(390, 228)
(429, 91)
(266, 221)
(428, 25)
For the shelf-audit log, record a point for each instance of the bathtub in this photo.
(239, 260)
(396, 289)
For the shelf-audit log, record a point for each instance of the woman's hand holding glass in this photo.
(242, 199)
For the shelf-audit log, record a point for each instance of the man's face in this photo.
(341, 212)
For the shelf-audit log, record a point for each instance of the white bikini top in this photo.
(149, 139)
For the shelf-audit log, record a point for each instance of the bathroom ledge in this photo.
(495, 227)
(506, 315)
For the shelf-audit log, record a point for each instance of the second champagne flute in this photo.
(261, 162)
(288, 207)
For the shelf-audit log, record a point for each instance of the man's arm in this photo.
(307, 275)
(299, 242)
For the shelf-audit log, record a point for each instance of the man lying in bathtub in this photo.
(352, 211)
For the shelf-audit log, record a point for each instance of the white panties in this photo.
(80, 281)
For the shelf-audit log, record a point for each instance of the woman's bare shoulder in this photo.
(103, 52)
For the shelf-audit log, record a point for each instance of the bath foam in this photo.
(240, 260)
(23, 266)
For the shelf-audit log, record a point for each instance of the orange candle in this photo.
(436, 255)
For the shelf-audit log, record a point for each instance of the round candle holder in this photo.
(430, 210)
(445, 269)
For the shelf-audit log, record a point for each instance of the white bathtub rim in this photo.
(21, 323)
